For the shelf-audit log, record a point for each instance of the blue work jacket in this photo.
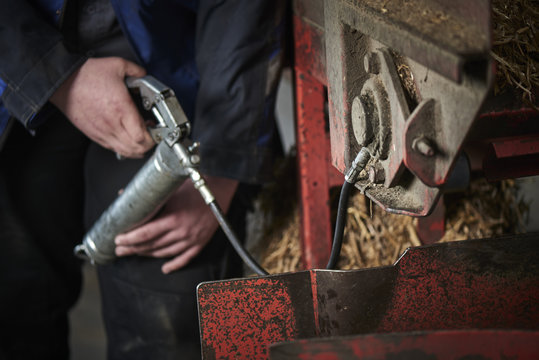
(220, 57)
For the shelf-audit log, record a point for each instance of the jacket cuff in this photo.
(26, 99)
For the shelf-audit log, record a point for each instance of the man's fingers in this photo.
(153, 247)
(168, 251)
(144, 233)
(128, 136)
(114, 143)
(181, 260)
(96, 100)
(131, 130)
(136, 135)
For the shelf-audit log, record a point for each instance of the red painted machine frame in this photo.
(472, 286)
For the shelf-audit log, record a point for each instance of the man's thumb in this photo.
(132, 69)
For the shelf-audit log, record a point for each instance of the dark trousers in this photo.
(147, 315)
(41, 185)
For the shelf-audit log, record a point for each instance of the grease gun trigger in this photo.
(173, 161)
(172, 124)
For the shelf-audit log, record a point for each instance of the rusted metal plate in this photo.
(465, 344)
(474, 284)
(309, 11)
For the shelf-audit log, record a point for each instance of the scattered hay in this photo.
(515, 46)
(280, 250)
(485, 210)
(373, 237)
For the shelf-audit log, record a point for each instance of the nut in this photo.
(377, 174)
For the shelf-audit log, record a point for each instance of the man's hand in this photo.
(96, 100)
(182, 228)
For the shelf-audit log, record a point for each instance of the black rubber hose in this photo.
(245, 256)
(340, 224)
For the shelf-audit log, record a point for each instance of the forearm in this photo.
(34, 60)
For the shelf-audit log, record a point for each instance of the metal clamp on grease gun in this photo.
(173, 161)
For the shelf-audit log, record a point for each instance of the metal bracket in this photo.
(415, 121)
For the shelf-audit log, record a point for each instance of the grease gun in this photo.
(174, 160)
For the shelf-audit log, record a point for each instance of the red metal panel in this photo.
(474, 284)
(263, 314)
(472, 344)
(449, 292)
(239, 318)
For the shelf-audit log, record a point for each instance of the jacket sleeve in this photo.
(33, 59)
(239, 53)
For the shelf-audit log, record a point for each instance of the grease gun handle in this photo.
(173, 161)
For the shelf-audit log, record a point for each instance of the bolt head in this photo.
(423, 146)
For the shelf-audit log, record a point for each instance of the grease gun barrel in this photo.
(171, 163)
(146, 192)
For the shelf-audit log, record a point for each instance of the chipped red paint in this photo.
(471, 344)
(313, 164)
(474, 284)
(433, 293)
(309, 53)
(316, 174)
(239, 322)
(314, 286)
